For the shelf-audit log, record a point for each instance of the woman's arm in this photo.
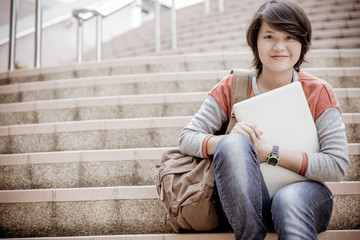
(331, 163)
(206, 122)
(288, 159)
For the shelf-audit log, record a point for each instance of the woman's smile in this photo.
(279, 57)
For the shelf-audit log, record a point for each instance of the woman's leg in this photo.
(302, 210)
(241, 187)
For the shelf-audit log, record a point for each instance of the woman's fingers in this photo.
(254, 128)
(248, 130)
(241, 131)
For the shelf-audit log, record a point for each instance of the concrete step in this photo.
(243, 14)
(128, 106)
(225, 45)
(99, 168)
(130, 84)
(335, 24)
(328, 235)
(151, 105)
(116, 107)
(234, 41)
(212, 25)
(120, 210)
(309, 6)
(112, 134)
(332, 4)
(224, 26)
(316, 12)
(78, 169)
(86, 177)
(224, 29)
(174, 63)
(208, 26)
(186, 17)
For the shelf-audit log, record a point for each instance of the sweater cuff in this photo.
(304, 164)
(204, 146)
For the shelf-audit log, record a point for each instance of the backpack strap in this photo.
(240, 91)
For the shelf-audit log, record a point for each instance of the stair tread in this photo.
(155, 77)
(122, 192)
(113, 207)
(116, 124)
(188, 57)
(156, 98)
(95, 155)
(100, 155)
(327, 235)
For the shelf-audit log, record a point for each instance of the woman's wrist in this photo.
(212, 143)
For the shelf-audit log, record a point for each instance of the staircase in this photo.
(79, 143)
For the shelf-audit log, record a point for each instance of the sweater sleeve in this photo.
(207, 121)
(331, 163)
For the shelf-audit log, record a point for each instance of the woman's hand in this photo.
(263, 146)
(247, 129)
(289, 159)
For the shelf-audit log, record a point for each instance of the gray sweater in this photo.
(330, 164)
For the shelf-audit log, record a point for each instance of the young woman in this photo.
(279, 36)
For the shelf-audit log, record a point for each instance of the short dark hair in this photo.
(283, 16)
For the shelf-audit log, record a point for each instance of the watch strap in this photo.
(275, 151)
(273, 158)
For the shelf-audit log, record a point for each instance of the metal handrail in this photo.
(207, 6)
(12, 34)
(12, 42)
(173, 25)
(157, 26)
(84, 14)
(38, 33)
(173, 22)
(221, 5)
(101, 10)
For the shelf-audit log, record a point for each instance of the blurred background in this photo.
(59, 34)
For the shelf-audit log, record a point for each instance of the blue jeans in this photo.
(297, 211)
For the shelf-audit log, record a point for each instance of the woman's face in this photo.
(278, 51)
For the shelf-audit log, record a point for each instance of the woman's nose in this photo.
(279, 46)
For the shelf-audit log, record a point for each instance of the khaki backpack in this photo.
(186, 184)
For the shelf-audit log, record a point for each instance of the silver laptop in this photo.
(283, 115)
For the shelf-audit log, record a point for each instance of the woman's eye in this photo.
(290, 38)
(268, 37)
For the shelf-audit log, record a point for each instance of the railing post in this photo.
(38, 30)
(221, 5)
(12, 34)
(174, 40)
(207, 7)
(98, 37)
(79, 40)
(157, 26)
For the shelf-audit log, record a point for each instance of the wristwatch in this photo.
(273, 158)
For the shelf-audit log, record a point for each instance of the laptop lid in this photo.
(284, 117)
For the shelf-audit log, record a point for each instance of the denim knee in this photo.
(300, 195)
(239, 184)
(234, 143)
(235, 155)
(302, 208)
(287, 199)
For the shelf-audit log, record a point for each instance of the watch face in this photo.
(272, 160)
